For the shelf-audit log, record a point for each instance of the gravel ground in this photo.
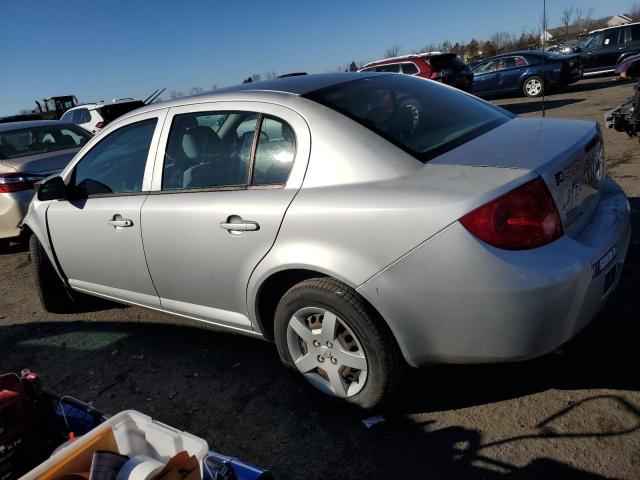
(572, 414)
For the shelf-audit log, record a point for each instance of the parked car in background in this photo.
(443, 67)
(528, 72)
(602, 50)
(95, 116)
(318, 211)
(31, 151)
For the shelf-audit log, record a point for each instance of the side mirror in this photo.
(576, 50)
(52, 189)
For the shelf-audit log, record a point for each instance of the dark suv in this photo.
(602, 50)
(442, 67)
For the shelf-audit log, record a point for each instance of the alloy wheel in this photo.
(533, 87)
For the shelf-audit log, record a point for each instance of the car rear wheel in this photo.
(4, 244)
(54, 296)
(533, 87)
(325, 331)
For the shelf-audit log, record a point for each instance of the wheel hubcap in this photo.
(534, 87)
(326, 352)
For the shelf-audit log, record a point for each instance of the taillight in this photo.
(16, 182)
(523, 218)
(100, 125)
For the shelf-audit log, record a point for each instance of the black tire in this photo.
(54, 295)
(4, 245)
(530, 82)
(384, 360)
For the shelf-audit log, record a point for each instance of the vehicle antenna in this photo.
(544, 39)
(146, 99)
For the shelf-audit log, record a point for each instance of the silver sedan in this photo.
(361, 221)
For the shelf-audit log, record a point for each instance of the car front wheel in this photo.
(325, 331)
(533, 87)
(54, 296)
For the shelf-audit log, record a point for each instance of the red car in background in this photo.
(442, 67)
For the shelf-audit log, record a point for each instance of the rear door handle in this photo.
(240, 226)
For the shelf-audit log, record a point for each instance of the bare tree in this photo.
(583, 18)
(502, 41)
(392, 52)
(256, 77)
(634, 12)
(195, 90)
(567, 13)
(25, 111)
(214, 86)
(175, 94)
(272, 75)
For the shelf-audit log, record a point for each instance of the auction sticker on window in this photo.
(598, 267)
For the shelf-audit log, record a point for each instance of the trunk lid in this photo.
(567, 154)
(41, 164)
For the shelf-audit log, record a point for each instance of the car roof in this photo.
(407, 58)
(298, 85)
(614, 26)
(7, 127)
(103, 104)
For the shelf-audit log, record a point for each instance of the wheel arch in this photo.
(273, 287)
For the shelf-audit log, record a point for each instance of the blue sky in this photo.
(115, 48)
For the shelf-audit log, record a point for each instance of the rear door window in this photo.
(410, 68)
(611, 38)
(392, 68)
(209, 150)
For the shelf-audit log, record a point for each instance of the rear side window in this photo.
(69, 116)
(410, 68)
(420, 116)
(610, 38)
(274, 153)
(117, 163)
(83, 116)
(393, 68)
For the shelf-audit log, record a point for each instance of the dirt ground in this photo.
(572, 414)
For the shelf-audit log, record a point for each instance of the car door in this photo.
(485, 78)
(509, 70)
(218, 199)
(607, 55)
(95, 232)
(590, 47)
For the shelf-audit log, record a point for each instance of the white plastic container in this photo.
(135, 434)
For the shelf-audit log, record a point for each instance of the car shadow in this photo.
(15, 247)
(521, 108)
(233, 392)
(590, 86)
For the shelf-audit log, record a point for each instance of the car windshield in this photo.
(418, 115)
(41, 139)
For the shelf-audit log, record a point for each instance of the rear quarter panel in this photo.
(364, 203)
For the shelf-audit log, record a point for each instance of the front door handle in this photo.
(119, 223)
(237, 224)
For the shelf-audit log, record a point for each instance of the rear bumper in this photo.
(13, 208)
(455, 299)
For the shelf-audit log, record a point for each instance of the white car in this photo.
(93, 117)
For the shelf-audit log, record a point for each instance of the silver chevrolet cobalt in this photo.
(362, 221)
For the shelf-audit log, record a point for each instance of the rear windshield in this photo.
(43, 139)
(110, 112)
(420, 116)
